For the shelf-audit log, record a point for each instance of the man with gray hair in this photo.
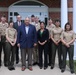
(16, 25)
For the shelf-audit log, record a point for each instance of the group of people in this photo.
(33, 38)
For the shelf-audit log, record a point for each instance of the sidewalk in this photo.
(36, 71)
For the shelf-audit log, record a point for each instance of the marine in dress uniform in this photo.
(56, 45)
(50, 26)
(16, 25)
(35, 51)
(68, 38)
(11, 36)
(3, 26)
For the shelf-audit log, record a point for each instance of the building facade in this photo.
(65, 10)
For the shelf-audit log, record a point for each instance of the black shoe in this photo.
(0, 65)
(17, 62)
(52, 67)
(34, 63)
(5, 65)
(45, 68)
(37, 63)
(72, 72)
(62, 71)
(40, 67)
(60, 67)
(11, 68)
(49, 64)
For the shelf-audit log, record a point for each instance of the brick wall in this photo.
(6, 13)
(57, 15)
(70, 18)
(54, 15)
(70, 3)
(49, 3)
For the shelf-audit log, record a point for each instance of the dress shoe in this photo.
(62, 71)
(23, 68)
(49, 64)
(45, 68)
(40, 67)
(72, 71)
(0, 65)
(30, 68)
(60, 67)
(34, 63)
(11, 68)
(17, 62)
(52, 67)
(5, 65)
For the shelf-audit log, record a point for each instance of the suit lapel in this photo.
(24, 29)
(29, 29)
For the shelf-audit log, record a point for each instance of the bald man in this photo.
(16, 25)
(26, 40)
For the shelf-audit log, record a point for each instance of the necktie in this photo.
(19, 23)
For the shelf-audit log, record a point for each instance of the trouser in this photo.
(2, 46)
(35, 54)
(17, 53)
(10, 54)
(41, 48)
(59, 48)
(49, 51)
(70, 52)
(23, 56)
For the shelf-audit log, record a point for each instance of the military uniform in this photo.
(50, 27)
(16, 25)
(33, 23)
(56, 33)
(37, 25)
(12, 34)
(35, 51)
(3, 27)
(67, 37)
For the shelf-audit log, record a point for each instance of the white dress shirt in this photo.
(27, 29)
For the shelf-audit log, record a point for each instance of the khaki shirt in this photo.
(56, 33)
(11, 33)
(37, 25)
(68, 36)
(3, 28)
(50, 27)
(33, 23)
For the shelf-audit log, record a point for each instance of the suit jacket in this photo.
(16, 25)
(26, 40)
(45, 35)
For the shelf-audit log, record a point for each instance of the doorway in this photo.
(26, 8)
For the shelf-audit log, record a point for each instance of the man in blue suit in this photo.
(26, 39)
(16, 25)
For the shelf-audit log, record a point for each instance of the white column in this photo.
(74, 25)
(64, 13)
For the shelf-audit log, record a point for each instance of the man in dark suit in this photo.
(26, 39)
(16, 25)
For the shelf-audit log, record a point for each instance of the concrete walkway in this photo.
(36, 71)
